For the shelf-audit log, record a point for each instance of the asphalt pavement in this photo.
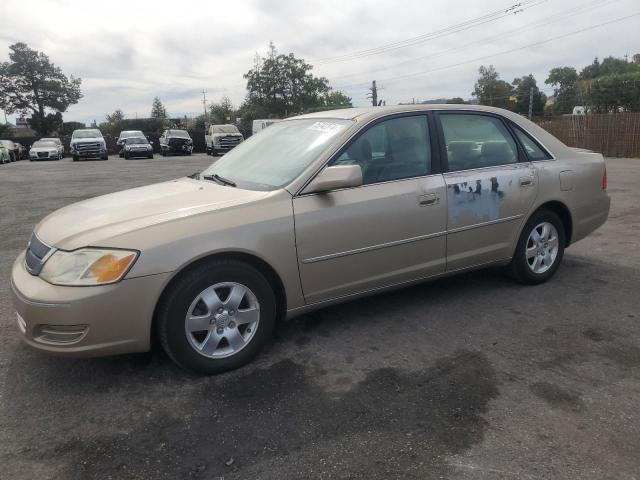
(468, 377)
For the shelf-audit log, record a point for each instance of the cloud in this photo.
(128, 53)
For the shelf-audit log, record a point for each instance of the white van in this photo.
(261, 124)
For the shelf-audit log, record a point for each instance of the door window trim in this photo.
(436, 163)
(444, 162)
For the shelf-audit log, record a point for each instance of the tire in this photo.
(106, 157)
(181, 300)
(75, 158)
(125, 156)
(532, 270)
(151, 156)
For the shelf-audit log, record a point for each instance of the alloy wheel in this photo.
(542, 247)
(222, 319)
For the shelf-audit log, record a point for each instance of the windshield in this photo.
(224, 129)
(277, 155)
(43, 144)
(86, 134)
(54, 140)
(131, 133)
(179, 133)
(133, 140)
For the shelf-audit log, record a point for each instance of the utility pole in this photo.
(204, 101)
(374, 94)
(530, 103)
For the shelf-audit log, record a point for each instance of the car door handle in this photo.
(428, 199)
(526, 181)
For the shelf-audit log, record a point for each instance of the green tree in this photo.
(221, 110)
(69, 127)
(612, 93)
(337, 99)
(609, 66)
(157, 110)
(29, 81)
(564, 81)
(522, 88)
(284, 84)
(51, 122)
(116, 117)
(490, 90)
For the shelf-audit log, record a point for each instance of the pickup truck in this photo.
(222, 138)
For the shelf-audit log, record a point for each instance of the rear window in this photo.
(533, 149)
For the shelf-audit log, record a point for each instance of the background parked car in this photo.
(222, 138)
(88, 143)
(176, 141)
(11, 148)
(137, 147)
(44, 150)
(58, 143)
(123, 136)
(4, 154)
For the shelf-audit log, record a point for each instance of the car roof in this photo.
(370, 112)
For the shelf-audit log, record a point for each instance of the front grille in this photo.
(176, 142)
(229, 142)
(43, 154)
(37, 253)
(88, 148)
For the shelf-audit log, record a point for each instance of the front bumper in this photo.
(177, 148)
(48, 156)
(85, 321)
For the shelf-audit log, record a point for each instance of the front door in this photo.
(490, 188)
(388, 231)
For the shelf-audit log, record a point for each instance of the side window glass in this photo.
(391, 150)
(534, 152)
(476, 141)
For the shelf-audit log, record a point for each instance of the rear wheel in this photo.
(217, 317)
(540, 249)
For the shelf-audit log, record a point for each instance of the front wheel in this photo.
(217, 316)
(540, 249)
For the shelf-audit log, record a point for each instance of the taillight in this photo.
(604, 179)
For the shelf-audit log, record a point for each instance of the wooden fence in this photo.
(613, 135)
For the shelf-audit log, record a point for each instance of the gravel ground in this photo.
(463, 378)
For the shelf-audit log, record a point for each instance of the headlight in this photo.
(127, 147)
(87, 266)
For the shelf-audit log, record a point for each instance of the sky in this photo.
(130, 52)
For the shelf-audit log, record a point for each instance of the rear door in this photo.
(389, 230)
(490, 187)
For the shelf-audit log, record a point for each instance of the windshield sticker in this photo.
(325, 127)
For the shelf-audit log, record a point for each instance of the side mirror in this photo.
(333, 178)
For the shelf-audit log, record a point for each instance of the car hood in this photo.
(94, 221)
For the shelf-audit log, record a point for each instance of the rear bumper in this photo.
(85, 321)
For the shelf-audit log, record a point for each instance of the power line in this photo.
(504, 52)
(490, 17)
(544, 21)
